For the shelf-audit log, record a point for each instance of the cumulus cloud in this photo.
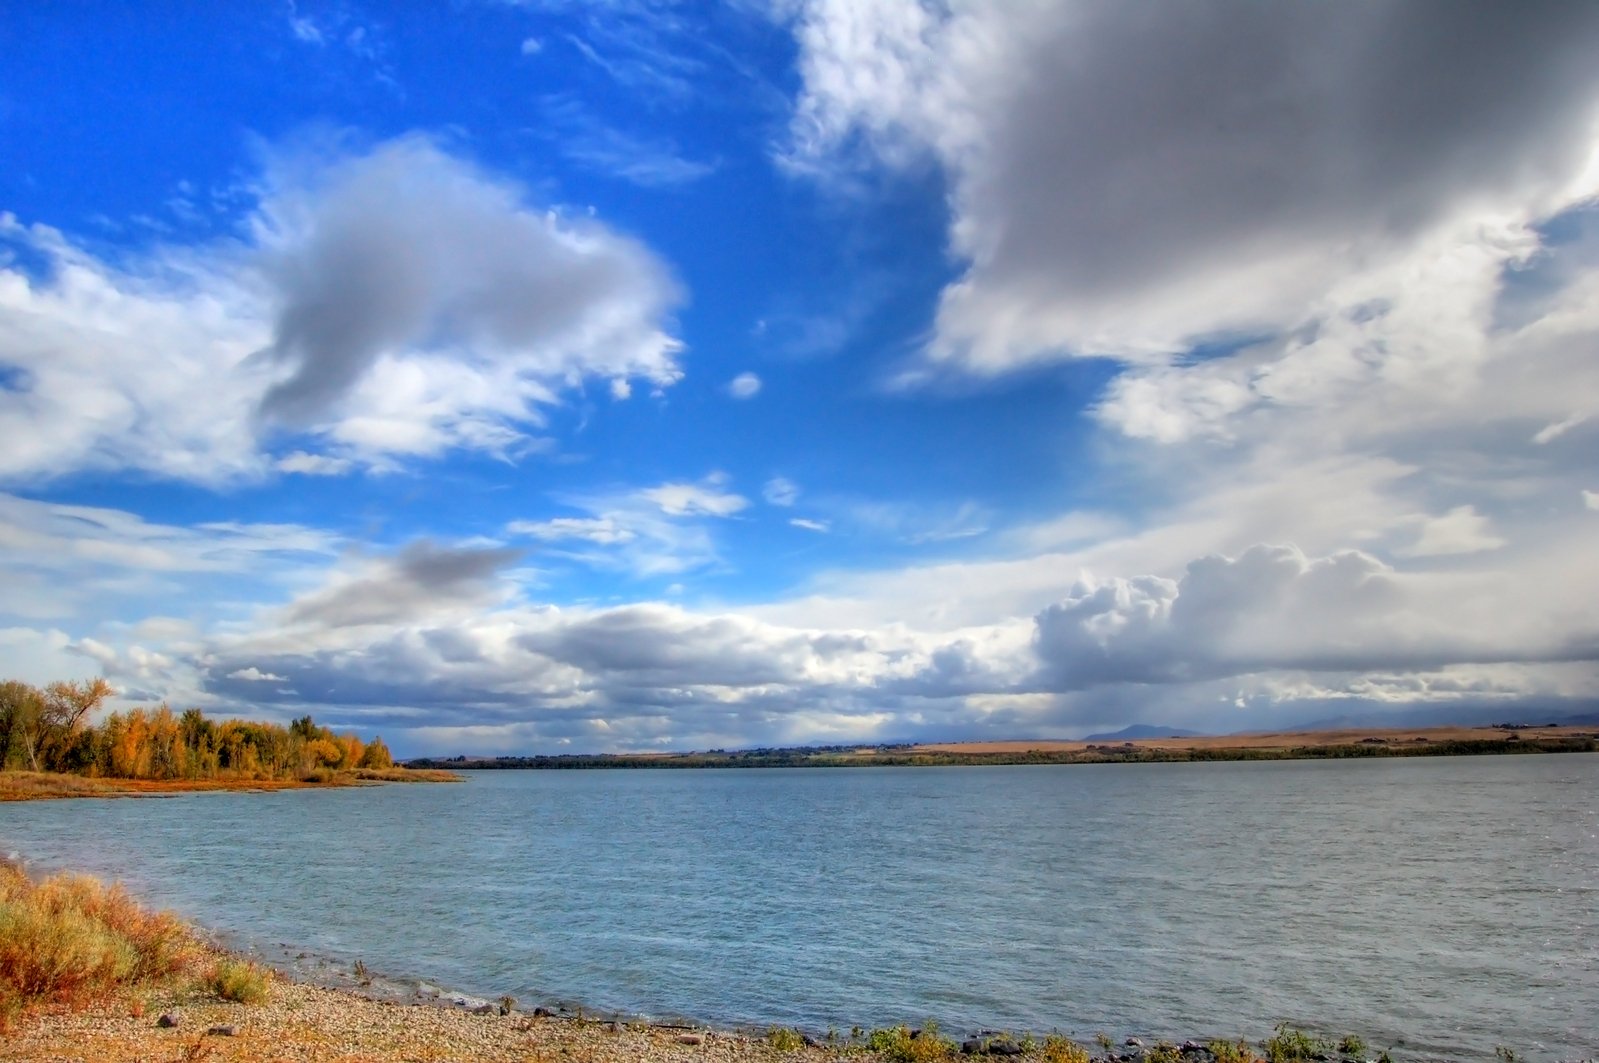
(408, 250)
(1126, 185)
(1272, 609)
(385, 303)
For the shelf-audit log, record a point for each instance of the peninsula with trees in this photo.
(50, 746)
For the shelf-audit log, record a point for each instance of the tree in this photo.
(21, 709)
(376, 755)
(61, 718)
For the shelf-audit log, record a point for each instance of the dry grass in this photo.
(398, 774)
(27, 785)
(69, 940)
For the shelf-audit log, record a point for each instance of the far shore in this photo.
(1266, 745)
(43, 785)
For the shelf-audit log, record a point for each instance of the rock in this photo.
(543, 1013)
(1133, 1042)
(223, 1031)
(972, 1047)
(168, 1020)
(1002, 1046)
(690, 1039)
(486, 1009)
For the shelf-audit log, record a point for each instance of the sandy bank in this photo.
(304, 1022)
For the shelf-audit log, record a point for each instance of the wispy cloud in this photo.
(649, 161)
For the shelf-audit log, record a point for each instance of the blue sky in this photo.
(550, 376)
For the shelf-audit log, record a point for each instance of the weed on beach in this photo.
(240, 980)
(70, 940)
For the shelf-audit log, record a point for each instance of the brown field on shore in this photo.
(39, 785)
(1266, 739)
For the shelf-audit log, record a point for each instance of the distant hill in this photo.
(1143, 730)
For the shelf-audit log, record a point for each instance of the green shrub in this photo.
(1352, 1046)
(1232, 1051)
(897, 1044)
(1291, 1045)
(240, 980)
(785, 1039)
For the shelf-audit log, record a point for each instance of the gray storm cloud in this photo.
(422, 578)
(1130, 177)
(408, 248)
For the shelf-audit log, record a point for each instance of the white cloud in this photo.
(605, 531)
(307, 464)
(650, 532)
(781, 491)
(1559, 428)
(1460, 531)
(810, 525)
(304, 29)
(255, 675)
(531, 46)
(744, 386)
(392, 303)
(688, 499)
(1591, 499)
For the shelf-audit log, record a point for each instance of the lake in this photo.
(1446, 905)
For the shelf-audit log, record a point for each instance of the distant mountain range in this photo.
(1478, 716)
(1431, 716)
(1142, 730)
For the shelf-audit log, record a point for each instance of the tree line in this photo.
(51, 729)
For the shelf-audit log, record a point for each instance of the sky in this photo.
(538, 377)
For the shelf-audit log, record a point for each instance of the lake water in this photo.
(1449, 905)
